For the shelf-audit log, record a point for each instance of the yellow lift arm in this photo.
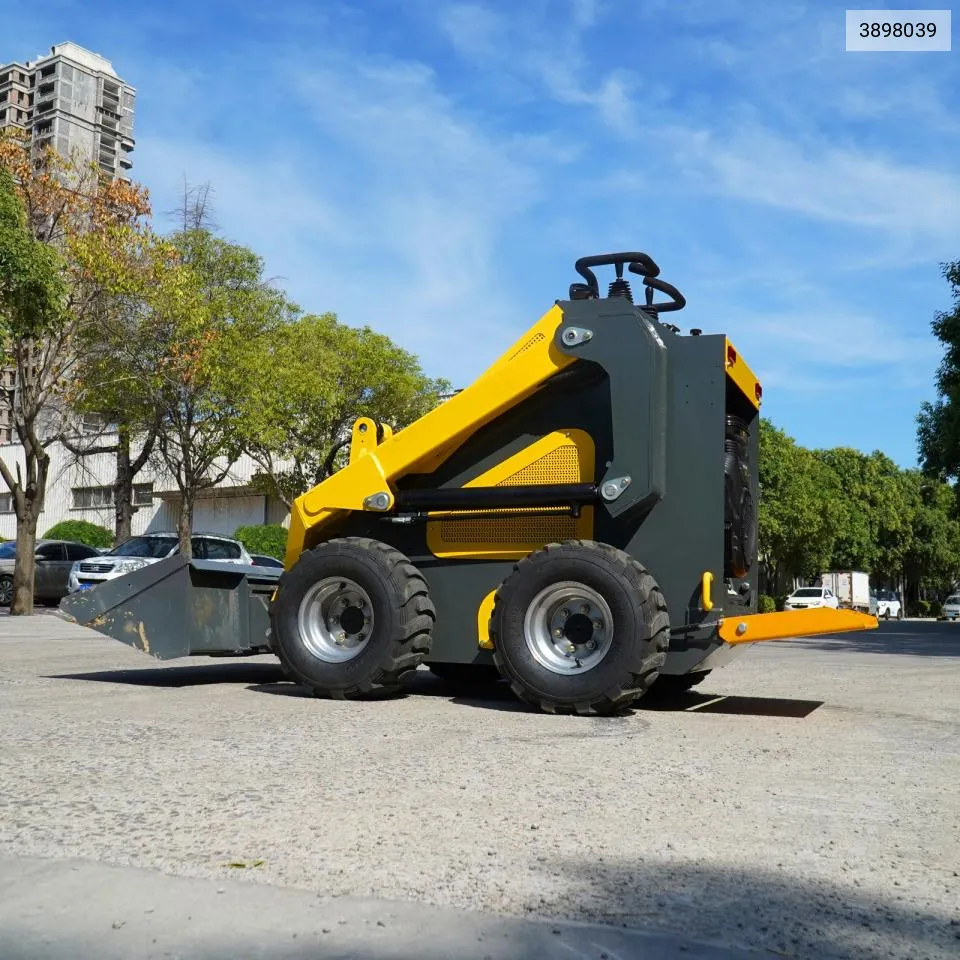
(365, 483)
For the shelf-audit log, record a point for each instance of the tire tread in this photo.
(408, 646)
(639, 678)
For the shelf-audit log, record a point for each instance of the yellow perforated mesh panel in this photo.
(532, 342)
(471, 533)
(559, 466)
(506, 531)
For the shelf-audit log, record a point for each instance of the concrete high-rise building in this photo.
(72, 100)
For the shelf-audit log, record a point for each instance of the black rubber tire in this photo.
(641, 629)
(671, 685)
(404, 616)
(5, 580)
(466, 674)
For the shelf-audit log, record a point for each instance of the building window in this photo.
(98, 498)
(90, 498)
(6, 503)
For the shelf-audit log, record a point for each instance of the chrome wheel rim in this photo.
(6, 592)
(335, 619)
(568, 628)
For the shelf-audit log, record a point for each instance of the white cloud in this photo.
(547, 51)
(474, 29)
(397, 220)
(914, 206)
(847, 338)
(858, 188)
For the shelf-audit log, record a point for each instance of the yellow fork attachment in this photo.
(793, 623)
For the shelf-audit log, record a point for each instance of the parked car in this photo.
(951, 607)
(889, 605)
(806, 597)
(262, 560)
(140, 551)
(54, 559)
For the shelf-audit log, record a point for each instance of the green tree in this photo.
(938, 431)
(233, 311)
(137, 272)
(868, 509)
(50, 203)
(299, 392)
(32, 308)
(931, 553)
(797, 512)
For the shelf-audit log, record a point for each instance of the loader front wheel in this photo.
(580, 627)
(351, 619)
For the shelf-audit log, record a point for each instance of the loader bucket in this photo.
(179, 608)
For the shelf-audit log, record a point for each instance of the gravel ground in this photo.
(807, 801)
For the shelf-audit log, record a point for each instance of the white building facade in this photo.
(81, 489)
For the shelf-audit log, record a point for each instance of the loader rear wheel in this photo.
(579, 627)
(352, 618)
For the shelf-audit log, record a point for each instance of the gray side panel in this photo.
(683, 535)
(630, 348)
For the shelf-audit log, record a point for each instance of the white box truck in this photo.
(850, 587)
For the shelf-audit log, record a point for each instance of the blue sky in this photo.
(433, 169)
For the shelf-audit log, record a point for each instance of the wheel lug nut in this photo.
(558, 632)
(585, 609)
(564, 613)
(591, 645)
(597, 625)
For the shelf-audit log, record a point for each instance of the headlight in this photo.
(128, 566)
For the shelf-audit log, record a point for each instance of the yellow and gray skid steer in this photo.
(580, 520)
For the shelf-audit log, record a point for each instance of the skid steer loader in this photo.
(581, 520)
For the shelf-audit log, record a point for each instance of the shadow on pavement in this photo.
(735, 706)
(187, 676)
(267, 678)
(499, 696)
(766, 909)
(923, 638)
(659, 909)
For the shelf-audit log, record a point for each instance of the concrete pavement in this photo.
(803, 801)
(78, 910)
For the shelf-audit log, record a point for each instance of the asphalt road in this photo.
(805, 801)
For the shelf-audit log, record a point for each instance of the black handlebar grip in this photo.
(639, 263)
